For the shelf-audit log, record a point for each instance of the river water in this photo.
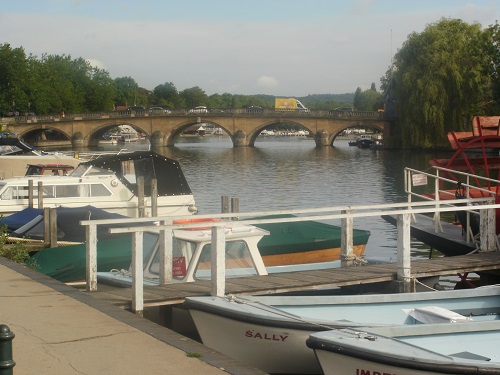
(290, 172)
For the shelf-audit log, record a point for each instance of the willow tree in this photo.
(438, 82)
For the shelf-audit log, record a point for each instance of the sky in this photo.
(275, 47)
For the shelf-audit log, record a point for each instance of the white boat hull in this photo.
(271, 349)
(268, 331)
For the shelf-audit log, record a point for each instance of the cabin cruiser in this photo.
(15, 155)
(109, 182)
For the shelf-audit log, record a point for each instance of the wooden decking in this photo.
(303, 280)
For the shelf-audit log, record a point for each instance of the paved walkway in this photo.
(60, 330)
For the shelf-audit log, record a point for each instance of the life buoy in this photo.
(196, 220)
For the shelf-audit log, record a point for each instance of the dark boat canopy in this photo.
(129, 166)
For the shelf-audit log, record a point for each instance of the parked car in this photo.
(136, 109)
(199, 109)
(339, 111)
(159, 110)
(254, 109)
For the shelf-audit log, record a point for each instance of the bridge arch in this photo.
(93, 137)
(332, 137)
(253, 135)
(36, 134)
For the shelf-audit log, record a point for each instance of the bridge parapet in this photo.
(184, 112)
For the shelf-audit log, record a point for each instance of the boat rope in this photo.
(353, 259)
(417, 281)
(121, 272)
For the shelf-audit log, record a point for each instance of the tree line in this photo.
(438, 80)
(54, 84)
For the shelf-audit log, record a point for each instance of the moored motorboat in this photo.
(269, 332)
(281, 247)
(15, 155)
(300, 242)
(109, 182)
(461, 348)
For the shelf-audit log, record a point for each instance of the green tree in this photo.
(126, 91)
(492, 46)
(438, 81)
(194, 97)
(167, 95)
(100, 91)
(368, 100)
(14, 80)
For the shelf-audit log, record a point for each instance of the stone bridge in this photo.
(241, 126)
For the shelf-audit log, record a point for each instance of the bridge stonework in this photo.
(242, 128)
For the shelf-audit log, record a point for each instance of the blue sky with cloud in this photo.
(275, 47)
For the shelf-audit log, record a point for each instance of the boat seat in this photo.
(436, 314)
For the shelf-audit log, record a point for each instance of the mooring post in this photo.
(53, 226)
(40, 194)
(91, 257)
(140, 197)
(235, 207)
(154, 197)
(218, 258)
(346, 239)
(224, 204)
(6, 361)
(46, 226)
(487, 230)
(31, 196)
(166, 253)
(137, 274)
(403, 253)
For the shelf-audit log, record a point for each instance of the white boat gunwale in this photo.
(262, 308)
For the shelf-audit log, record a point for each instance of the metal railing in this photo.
(465, 184)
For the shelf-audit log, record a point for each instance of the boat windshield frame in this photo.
(87, 170)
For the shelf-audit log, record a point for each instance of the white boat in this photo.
(280, 247)
(270, 332)
(15, 155)
(192, 255)
(109, 183)
(462, 348)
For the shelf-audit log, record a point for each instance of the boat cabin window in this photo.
(182, 253)
(57, 191)
(238, 260)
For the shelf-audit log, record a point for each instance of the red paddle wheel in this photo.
(476, 153)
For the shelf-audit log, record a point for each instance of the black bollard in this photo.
(6, 362)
